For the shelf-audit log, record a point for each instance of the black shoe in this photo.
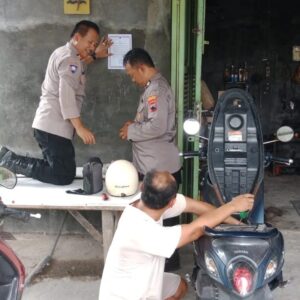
(3, 151)
(173, 263)
(17, 163)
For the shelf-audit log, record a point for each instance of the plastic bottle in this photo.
(241, 74)
(232, 73)
(227, 74)
(245, 72)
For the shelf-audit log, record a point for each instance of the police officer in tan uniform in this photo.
(57, 117)
(153, 130)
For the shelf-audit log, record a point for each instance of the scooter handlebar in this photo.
(284, 161)
(190, 154)
(15, 213)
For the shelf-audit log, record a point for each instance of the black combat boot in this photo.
(17, 163)
(3, 151)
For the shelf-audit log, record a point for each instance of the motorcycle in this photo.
(12, 271)
(237, 261)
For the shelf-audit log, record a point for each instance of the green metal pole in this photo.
(177, 61)
(177, 65)
(181, 69)
(199, 31)
(174, 53)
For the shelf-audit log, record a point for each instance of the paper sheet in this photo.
(122, 43)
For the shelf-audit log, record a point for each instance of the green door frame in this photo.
(188, 20)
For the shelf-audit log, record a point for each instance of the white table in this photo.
(32, 194)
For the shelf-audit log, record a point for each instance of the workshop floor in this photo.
(73, 273)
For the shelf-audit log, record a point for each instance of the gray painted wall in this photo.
(29, 31)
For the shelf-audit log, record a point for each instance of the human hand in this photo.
(86, 135)
(88, 59)
(127, 123)
(124, 130)
(102, 49)
(242, 202)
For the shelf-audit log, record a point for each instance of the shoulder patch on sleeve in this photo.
(152, 103)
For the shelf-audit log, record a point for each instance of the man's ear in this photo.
(142, 68)
(76, 37)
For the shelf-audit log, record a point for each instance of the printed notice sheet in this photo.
(122, 43)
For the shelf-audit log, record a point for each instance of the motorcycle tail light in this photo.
(242, 279)
(210, 265)
(271, 268)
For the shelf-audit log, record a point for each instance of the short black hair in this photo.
(83, 27)
(159, 188)
(137, 56)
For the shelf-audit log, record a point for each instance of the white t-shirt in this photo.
(134, 266)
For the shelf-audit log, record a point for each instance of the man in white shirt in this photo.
(134, 267)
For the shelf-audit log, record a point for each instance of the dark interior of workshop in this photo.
(255, 45)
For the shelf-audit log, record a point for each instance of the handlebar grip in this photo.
(190, 154)
(281, 160)
(17, 214)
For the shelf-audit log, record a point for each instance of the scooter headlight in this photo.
(271, 268)
(210, 265)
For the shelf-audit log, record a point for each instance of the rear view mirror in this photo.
(8, 179)
(285, 134)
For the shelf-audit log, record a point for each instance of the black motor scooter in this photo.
(238, 261)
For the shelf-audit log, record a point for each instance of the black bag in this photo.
(92, 178)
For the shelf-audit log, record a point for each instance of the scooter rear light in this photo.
(242, 279)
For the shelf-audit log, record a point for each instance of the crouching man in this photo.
(134, 267)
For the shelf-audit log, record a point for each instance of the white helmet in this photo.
(121, 178)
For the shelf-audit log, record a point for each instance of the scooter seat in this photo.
(235, 146)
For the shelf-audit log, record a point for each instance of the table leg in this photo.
(86, 224)
(117, 218)
(108, 230)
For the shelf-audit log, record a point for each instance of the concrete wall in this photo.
(29, 31)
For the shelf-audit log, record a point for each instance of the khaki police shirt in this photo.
(62, 92)
(153, 133)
